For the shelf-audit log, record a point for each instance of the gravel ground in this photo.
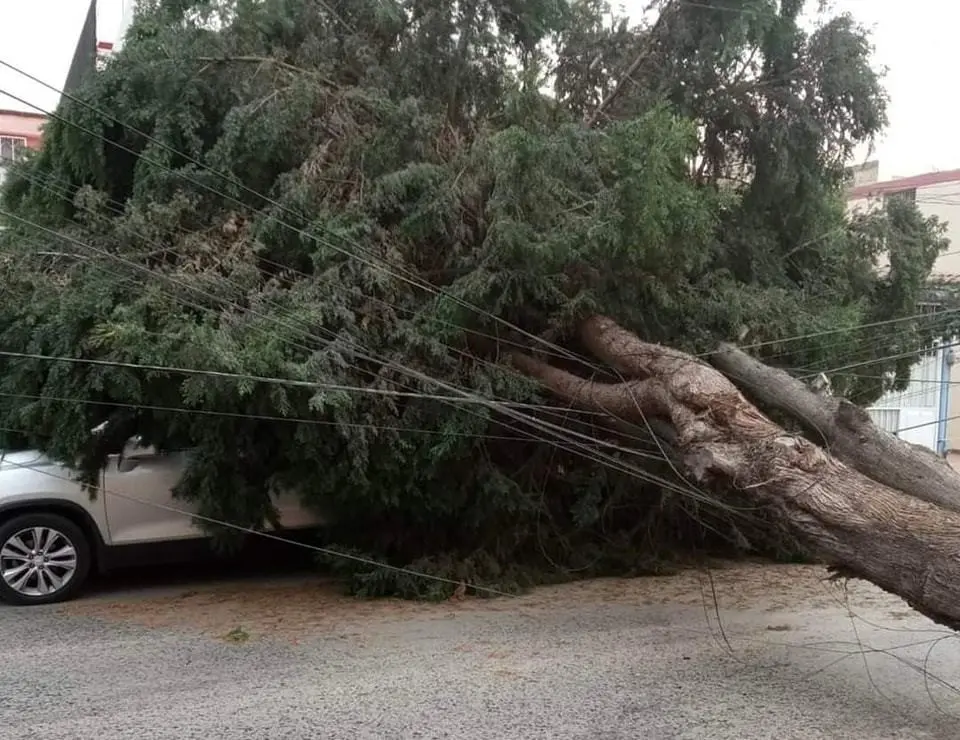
(790, 657)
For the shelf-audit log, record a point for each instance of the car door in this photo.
(138, 491)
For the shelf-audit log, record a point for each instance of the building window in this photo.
(909, 195)
(11, 148)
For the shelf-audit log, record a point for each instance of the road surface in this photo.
(288, 658)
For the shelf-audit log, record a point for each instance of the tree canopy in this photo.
(353, 210)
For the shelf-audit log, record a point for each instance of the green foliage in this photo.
(370, 148)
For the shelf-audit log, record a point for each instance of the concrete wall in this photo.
(943, 201)
(864, 174)
(939, 199)
(28, 126)
(25, 126)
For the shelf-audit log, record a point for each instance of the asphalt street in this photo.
(287, 657)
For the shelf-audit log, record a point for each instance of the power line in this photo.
(873, 348)
(939, 321)
(939, 420)
(256, 417)
(503, 407)
(233, 182)
(313, 385)
(553, 347)
(911, 381)
(370, 262)
(300, 231)
(901, 356)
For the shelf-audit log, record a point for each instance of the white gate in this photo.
(913, 413)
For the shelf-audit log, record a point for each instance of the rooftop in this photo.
(903, 183)
(21, 113)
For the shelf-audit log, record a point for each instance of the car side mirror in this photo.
(132, 446)
(126, 464)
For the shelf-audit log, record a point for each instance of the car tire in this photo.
(30, 576)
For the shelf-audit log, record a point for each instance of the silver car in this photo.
(53, 534)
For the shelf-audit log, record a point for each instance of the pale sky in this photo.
(915, 41)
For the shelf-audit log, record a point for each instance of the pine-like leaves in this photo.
(367, 151)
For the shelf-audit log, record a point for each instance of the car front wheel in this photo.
(44, 558)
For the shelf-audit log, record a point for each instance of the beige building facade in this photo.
(928, 411)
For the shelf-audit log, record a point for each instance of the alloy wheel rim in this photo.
(37, 561)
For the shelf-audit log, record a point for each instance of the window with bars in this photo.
(909, 195)
(924, 389)
(11, 148)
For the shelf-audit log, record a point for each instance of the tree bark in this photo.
(902, 544)
(845, 430)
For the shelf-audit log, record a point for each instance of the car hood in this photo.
(26, 459)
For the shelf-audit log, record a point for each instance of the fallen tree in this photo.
(346, 195)
(902, 544)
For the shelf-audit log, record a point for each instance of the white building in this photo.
(923, 413)
(127, 9)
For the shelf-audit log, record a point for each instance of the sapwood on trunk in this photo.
(904, 543)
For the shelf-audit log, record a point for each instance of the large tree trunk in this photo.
(845, 430)
(900, 543)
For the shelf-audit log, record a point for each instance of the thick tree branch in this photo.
(630, 401)
(622, 349)
(692, 383)
(845, 430)
(901, 543)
